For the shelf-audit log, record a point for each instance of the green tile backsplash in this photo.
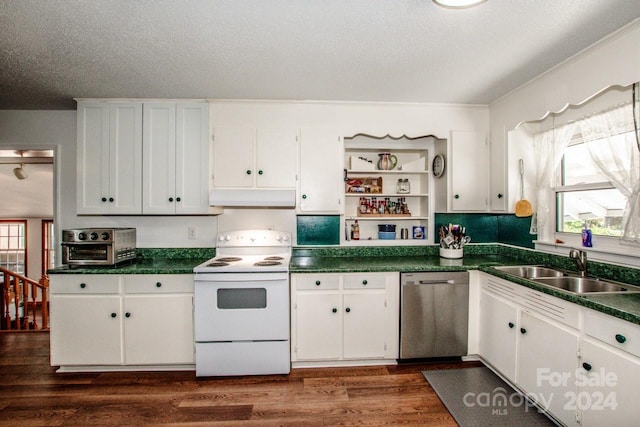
(318, 229)
(491, 228)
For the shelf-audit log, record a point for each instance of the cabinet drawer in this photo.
(317, 281)
(158, 283)
(84, 284)
(615, 332)
(364, 281)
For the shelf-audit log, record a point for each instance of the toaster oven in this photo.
(98, 246)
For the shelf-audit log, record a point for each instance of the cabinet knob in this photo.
(111, 199)
(83, 285)
(260, 172)
(523, 331)
(621, 338)
(158, 285)
(586, 366)
(248, 172)
(364, 282)
(104, 199)
(317, 282)
(171, 199)
(127, 314)
(113, 315)
(177, 199)
(457, 196)
(334, 310)
(499, 195)
(304, 196)
(348, 310)
(511, 325)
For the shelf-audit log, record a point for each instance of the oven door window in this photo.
(97, 252)
(234, 298)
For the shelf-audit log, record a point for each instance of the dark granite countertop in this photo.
(346, 264)
(145, 266)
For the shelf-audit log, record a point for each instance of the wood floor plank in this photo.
(33, 394)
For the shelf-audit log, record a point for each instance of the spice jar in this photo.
(403, 186)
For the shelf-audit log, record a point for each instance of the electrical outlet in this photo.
(191, 233)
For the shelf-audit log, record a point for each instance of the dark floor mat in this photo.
(478, 397)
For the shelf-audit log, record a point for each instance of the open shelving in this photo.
(361, 161)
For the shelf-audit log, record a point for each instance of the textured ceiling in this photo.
(357, 50)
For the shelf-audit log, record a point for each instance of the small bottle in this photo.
(355, 231)
(586, 235)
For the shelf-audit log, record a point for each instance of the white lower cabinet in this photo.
(531, 339)
(546, 364)
(106, 321)
(497, 342)
(609, 372)
(346, 318)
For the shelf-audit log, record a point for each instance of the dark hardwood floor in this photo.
(32, 394)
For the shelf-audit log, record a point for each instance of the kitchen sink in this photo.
(530, 271)
(585, 285)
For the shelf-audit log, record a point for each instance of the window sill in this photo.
(606, 250)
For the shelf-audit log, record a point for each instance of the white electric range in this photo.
(241, 305)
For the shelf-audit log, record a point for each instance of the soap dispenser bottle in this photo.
(586, 235)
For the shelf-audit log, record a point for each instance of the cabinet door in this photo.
(85, 330)
(93, 158)
(498, 322)
(545, 373)
(364, 325)
(158, 329)
(469, 171)
(318, 326)
(159, 158)
(109, 158)
(320, 171)
(233, 157)
(607, 394)
(192, 159)
(276, 154)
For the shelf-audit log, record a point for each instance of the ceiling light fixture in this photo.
(458, 4)
(20, 173)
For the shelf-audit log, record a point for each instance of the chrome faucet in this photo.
(580, 258)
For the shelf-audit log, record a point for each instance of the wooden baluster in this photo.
(6, 319)
(17, 291)
(33, 304)
(44, 281)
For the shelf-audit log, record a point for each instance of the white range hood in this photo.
(253, 197)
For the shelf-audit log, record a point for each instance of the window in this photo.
(48, 248)
(585, 194)
(13, 246)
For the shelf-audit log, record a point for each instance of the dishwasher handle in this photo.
(432, 282)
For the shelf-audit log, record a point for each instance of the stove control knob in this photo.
(82, 236)
(227, 237)
(94, 236)
(104, 235)
(221, 238)
(285, 238)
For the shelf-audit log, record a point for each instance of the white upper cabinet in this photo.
(467, 173)
(109, 158)
(246, 157)
(176, 154)
(321, 160)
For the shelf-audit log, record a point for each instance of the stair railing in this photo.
(15, 294)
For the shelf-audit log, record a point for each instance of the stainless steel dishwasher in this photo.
(434, 313)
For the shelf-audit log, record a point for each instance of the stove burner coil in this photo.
(217, 264)
(266, 263)
(229, 259)
(274, 258)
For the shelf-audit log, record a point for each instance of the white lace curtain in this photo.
(548, 147)
(610, 138)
